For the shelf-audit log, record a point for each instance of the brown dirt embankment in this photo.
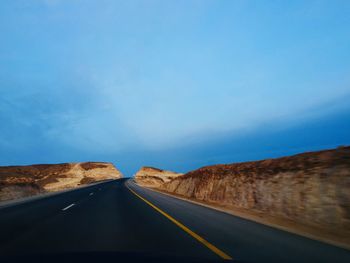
(22, 181)
(154, 177)
(305, 191)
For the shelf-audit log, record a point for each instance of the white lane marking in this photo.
(64, 209)
(91, 193)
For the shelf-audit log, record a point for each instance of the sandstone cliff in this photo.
(309, 189)
(154, 177)
(22, 181)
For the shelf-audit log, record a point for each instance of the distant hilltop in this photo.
(154, 177)
(22, 181)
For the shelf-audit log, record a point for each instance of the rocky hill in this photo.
(154, 177)
(22, 181)
(310, 189)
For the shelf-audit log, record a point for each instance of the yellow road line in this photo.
(186, 229)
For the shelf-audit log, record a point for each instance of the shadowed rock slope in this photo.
(22, 181)
(309, 189)
(154, 177)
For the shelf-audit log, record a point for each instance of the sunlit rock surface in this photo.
(309, 188)
(154, 177)
(22, 181)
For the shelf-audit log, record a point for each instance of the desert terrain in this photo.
(23, 181)
(307, 192)
(154, 177)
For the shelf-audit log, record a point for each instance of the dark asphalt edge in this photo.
(213, 248)
(229, 212)
(38, 197)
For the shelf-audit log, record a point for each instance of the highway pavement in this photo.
(118, 221)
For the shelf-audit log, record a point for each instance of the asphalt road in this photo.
(109, 223)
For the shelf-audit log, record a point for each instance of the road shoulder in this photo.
(281, 224)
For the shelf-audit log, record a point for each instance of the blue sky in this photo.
(175, 84)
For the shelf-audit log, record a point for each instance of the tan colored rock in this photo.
(310, 188)
(154, 177)
(22, 181)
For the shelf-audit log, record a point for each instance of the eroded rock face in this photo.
(310, 188)
(22, 181)
(154, 177)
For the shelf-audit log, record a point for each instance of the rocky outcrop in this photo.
(154, 177)
(310, 188)
(22, 181)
